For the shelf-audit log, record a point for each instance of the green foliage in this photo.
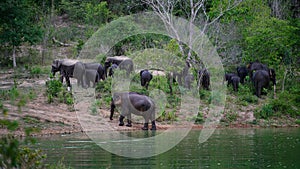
(55, 89)
(265, 112)
(23, 27)
(97, 14)
(287, 103)
(245, 95)
(231, 117)
(199, 119)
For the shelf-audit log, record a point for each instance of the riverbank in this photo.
(45, 118)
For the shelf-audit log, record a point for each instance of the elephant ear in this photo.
(56, 63)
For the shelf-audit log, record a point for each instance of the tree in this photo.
(18, 25)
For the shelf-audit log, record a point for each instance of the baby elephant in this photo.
(91, 75)
(146, 77)
(235, 80)
(130, 102)
(232, 79)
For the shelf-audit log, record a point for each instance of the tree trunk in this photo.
(14, 57)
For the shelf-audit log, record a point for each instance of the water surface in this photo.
(227, 148)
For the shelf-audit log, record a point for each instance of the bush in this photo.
(55, 89)
(265, 112)
(287, 103)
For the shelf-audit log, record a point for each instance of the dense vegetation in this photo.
(34, 32)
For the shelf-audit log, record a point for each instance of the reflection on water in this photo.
(227, 148)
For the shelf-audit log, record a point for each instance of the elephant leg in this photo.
(128, 123)
(129, 120)
(61, 78)
(145, 126)
(153, 125)
(146, 123)
(258, 91)
(68, 83)
(112, 109)
(121, 120)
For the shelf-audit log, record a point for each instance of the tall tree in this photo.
(203, 13)
(18, 24)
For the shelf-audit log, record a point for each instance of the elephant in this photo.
(138, 104)
(261, 79)
(145, 77)
(66, 69)
(242, 72)
(254, 66)
(91, 75)
(228, 77)
(98, 67)
(84, 77)
(123, 62)
(188, 79)
(112, 69)
(235, 80)
(204, 78)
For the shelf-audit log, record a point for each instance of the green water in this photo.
(226, 148)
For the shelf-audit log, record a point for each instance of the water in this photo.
(227, 148)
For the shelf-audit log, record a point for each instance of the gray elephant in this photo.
(235, 80)
(228, 77)
(204, 78)
(98, 67)
(131, 102)
(83, 77)
(261, 79)
(112, 69)
(66, 69)
(91, 75)
(242, 72)
(189, 78)
(145, 77)
(123, 62)
(254, 66)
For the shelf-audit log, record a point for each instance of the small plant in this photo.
(199, 118)
(35, 71)
(265, 112)
(55, 89)
(231, 116)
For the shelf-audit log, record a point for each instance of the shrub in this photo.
(55, 89)
(265, 112)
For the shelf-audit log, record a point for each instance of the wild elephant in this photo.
(84, 77)
(112, 69)
(66, 69)
(204, 78)
(254, 66)
(261, 79)
(188, 79)
(235, 80)
(123, 62)
(227, 78)
(145, 77)
(242, 72)
(131, 102)
(91, 75)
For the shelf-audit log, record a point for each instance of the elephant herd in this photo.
(260, 75)
(87, 73)
(142, 105)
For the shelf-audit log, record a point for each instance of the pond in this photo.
(226, 148)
